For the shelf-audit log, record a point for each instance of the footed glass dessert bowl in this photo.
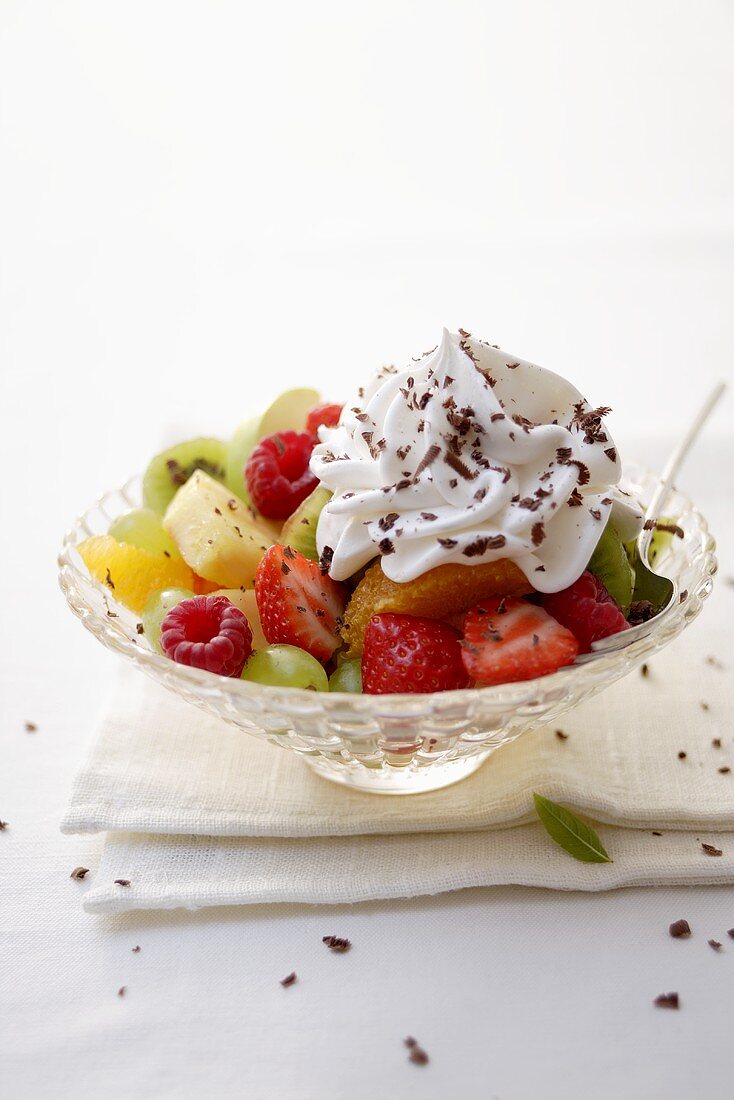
(398, 744)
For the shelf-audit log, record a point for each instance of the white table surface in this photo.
(201, 205)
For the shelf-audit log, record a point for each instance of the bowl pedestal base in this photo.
(389, 779)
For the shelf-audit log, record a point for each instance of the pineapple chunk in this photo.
(216, 533)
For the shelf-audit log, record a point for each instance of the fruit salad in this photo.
(458, 522)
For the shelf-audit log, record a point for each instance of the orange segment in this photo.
(130, 574)
(438, 594)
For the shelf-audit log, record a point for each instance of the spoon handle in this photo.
(679, 454)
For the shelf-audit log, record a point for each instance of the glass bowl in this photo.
(397, 744)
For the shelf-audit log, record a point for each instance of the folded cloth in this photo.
(161, 766)
(189, 872)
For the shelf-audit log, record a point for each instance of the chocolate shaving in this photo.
(682, 755)
(495, 417)
(644, 670)
(667, 1000)
(584, 476)
(611, 453)
(428, 459)
(659, 525)
(121, 991)
(561, 735)
(530, 503)
(78, 873)
(108, 580)
(122, 882)
(336, 943)
(3, 826)
(388, 521)
(327, 556)
(680, 929)
(136, 949)
(575, 500)
(417, 1053)
(459, 467)
(289, 979)
(30, 727)
(140, 628)
(715, 944)
(448, 544)
(725, 770)
(428, 515)
(386, 546)
(483, 543)
(595, 513)
(537, 533)
(711, 850)
(716, 743)
(641, 611)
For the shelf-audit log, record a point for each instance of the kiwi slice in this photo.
(299, 530)
(610, 564)
(171, 469)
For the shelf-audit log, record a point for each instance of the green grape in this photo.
(347, 677)
(285, 666)
(155, 611)
(143, 528)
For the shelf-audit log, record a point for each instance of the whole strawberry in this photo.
(587, 610)
(207, 632)
(297, 604)
(408, 653)
(278, 475)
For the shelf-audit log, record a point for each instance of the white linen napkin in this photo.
(201, 814)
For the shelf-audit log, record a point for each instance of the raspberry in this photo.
(587, 610)
(407, 653)
(277, 473)
(323, 415)
(207, 632)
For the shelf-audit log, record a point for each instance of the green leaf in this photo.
(610, 564)
(570, 832)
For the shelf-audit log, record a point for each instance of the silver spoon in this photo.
(660, 587)
(659, 590)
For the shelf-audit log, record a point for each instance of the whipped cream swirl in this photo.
(469, 455)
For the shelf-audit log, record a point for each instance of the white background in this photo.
(202, 204)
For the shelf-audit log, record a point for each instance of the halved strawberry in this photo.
(508, 639)
(408, 653)
(298, 605)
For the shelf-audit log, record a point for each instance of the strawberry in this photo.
(587, 609)
(298, 605)
(407, 653)
(326, 415)
(509, 639)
